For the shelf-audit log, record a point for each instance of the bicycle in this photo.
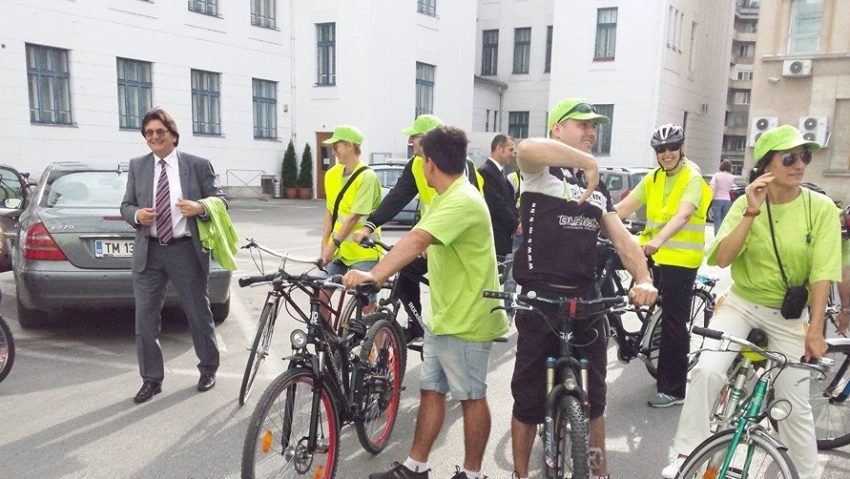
(740, 446)
(565, 430)
(338, 317)
(830, 407)
(7, 349)
(645, 342)
(331, 380)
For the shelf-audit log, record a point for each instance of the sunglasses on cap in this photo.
(580, 108)
(662, 148)
(790, 159)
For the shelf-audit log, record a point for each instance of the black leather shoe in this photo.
(149, 388)
(206, 382)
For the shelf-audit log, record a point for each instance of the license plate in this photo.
(113, 248)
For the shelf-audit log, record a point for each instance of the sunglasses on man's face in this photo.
(581, 108)
(790, 159)
(662, 148)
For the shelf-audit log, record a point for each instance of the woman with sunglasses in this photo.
(779, 235)
(676, 199)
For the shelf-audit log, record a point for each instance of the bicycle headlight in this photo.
(779, 409)
(298, 339)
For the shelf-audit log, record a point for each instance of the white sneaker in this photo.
(670, 471)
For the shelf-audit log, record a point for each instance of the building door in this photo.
(324, 161)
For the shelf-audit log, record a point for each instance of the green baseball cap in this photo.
(576, 109)
(423, 124)
(345, 133)
(781, 138)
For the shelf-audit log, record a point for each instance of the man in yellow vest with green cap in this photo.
(409, 184)
(360, 193)
(676, 198)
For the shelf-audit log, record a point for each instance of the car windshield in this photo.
(84, 189)
(388, 176)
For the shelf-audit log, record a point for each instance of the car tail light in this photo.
(39, 245)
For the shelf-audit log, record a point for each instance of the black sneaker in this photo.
(413, 332)
(399, 471)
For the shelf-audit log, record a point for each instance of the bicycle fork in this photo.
(571, 386)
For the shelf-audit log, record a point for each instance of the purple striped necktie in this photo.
(163, 206)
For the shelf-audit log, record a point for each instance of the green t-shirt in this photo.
(461, 264)
(692, 193)
(755, 272)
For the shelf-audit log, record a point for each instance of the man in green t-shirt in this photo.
(457, 234)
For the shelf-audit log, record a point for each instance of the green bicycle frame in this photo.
(753, 411)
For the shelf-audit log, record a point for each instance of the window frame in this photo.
(326, 54)
(804, 39)
(57, 83)
(205, 7)
(264, 14)
(206, 103)
(518, 128)
(425, 88)
(604, 133)
(265, 108)
(605, 46)
(522, 51)
(427, 7)
(129, 88)
(489, 53)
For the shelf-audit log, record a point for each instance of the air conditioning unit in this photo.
(760, 125)
(797, 68)
(813, 128)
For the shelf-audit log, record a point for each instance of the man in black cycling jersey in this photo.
(409, 184)
(562, 214)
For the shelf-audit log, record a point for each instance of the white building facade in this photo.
(642, 63)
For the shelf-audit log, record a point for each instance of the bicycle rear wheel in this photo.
(702, 310)
(276, 444)
(830, 407)
(572, 446)
(370, 319)
(767, 461)
(7, 349)
(378, 386)
(259, 349)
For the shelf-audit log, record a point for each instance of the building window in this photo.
(206, 103)
(134, 92)
(49, 85)
(490, 52)
(746, 50)
(692, 47)
(264, 13)
(742, 98)
(804, 32)
(487, 121)
(603, 132)
(745, 76)
(427, 7)
(265, 109)
(548, 67)
(606, 34)
(736, 143)
(424, 88)
(522, 49)
(518, 124)
(749, 27)
(670, 27)
(208, 7)
(326, 54)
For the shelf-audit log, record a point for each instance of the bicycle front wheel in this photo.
(766, 461)
(278, 440)
(379, 386)
(572, 446)
(7, 349)
(702, 310)
(259, 349)
(830, 407)
(370, 319)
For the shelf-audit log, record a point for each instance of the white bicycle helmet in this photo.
(668, 134)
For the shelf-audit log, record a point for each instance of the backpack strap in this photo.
(348, 183)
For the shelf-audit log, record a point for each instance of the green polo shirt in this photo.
(755, 272)
(461, 264)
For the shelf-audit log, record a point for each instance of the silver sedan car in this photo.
(74, 250)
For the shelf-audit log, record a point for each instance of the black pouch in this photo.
(794, 301)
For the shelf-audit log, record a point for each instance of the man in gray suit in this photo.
(161, 202)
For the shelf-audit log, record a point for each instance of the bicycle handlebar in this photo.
(577, 307)
(285, 256)
(372, 243)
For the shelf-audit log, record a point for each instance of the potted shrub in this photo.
(305, 174)
(289, 172)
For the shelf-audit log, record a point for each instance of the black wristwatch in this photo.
(336, 242)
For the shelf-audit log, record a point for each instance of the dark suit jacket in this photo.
(500, 200)
(197, 181)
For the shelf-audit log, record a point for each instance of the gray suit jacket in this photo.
(197, 180)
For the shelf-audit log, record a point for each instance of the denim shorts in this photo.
(451, 364)
(334, 268)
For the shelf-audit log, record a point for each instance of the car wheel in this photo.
(30, 318)
(220, 311)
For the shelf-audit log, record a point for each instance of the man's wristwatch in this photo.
(336, 242)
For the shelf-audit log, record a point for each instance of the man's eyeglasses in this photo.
(157, 132)
(662, 148)
(580, 108)
(790, 159)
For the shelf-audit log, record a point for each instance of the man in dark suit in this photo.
(499, 194)
(161, 202)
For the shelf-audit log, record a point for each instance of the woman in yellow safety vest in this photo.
(676, 198)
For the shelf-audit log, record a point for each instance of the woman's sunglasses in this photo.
(790, 159)
(662, 148)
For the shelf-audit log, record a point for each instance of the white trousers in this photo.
(737, 317)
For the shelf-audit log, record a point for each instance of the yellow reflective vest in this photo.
(686, 247)
(426, 193)
(349, 252)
